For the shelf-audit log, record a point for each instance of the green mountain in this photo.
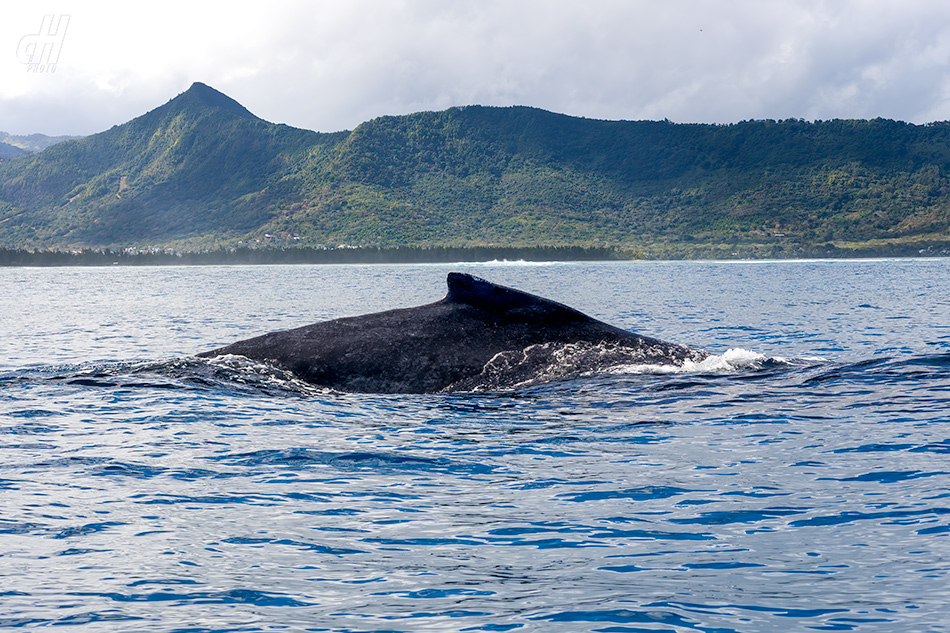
(201, 171)
(199, 166)
(10, 151)
(31, 142)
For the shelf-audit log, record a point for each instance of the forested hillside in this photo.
(30, 143)
(10, 151)
(203, 172)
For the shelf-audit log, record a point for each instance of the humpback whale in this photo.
(480, 336)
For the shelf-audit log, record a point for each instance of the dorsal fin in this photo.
(490, 297)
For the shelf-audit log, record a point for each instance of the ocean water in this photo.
(798, 481)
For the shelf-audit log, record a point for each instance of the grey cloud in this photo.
(332, 65)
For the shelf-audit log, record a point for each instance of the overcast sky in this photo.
(329, 65)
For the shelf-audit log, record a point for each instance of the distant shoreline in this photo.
(301, 255)
(446, 255)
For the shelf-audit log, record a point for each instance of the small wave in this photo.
(506, 371)
(244, 373)
(374, 461)
(233, 374)
(886, 370)
(549, 362)
(732, 360)
(512, 262)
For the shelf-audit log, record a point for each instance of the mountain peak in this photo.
(203, 95)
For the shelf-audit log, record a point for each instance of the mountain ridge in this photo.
(30, 143)
(201, 171)
(11, 151)
(153, 178)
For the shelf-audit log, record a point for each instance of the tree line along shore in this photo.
(423, 255)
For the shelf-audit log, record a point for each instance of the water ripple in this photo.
(188, 495)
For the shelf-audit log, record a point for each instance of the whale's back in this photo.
(442, 345)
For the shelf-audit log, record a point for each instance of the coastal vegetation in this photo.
(451, 254)
(202, 175)
(300, 255)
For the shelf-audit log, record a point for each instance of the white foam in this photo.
(731, 360)
(252, 372)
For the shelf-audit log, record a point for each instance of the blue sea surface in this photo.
(799, 482)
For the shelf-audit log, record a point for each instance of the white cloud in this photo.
(330, 65)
